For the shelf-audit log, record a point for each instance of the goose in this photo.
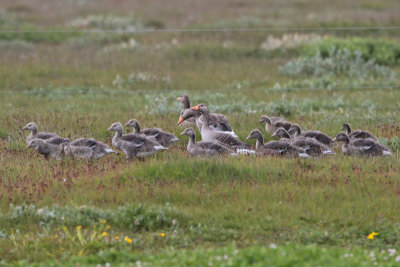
(84, 142)
(362, 147)
(204, 148)
(191, 121)
(163, 138)
(275, 148)
(95, 151)
(46, 149)
(296, 131)
(312, 146)
(222, 138)
(133, 145)
(217, 121)
(273, 123)
(31, 126)
(358, 133)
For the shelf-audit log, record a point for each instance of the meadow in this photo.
(174, 210)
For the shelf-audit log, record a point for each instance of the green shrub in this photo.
(384, 52)
(340, 63)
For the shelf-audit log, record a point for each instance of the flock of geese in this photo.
(217, 136)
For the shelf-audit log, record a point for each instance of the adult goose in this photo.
(202, 148)
(48, 150)
(191, 121)
(273, 123)
(310, 145)
(217, 121)
(163, 138)
(358, 134)
(296, 131)
(31, 126)
(96, 150)
(362, 147)
(275, 148)
(222, 138)
(133, 145)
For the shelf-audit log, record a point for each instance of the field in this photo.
(174, 210)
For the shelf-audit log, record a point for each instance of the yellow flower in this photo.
(104, 234)
(104, 221)
(295, 227)
(79, 227)
(372, 235)
(117, 238)
(161, 234)
(108, 226)
(127, 239)
(80, 252)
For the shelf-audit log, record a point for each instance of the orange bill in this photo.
(180, 120)
(334, 139)
(195, 108)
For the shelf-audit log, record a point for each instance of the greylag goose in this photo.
(204, 148)
(273, 123)
(84, 142)
(296, 131)
(163, 138)
(96, 150)
(275, 148)
(133, 145)
(362, 147)
(217, 121)
(358, 134)
(312, 146)
(190, 121)
(222, 138)
(45, 149)
(35, 134)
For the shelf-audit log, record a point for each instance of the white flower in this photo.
(397, 259)
(272, 245)
(391, 251)
(226, 257)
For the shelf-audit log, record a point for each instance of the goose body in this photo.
(31, 126)
(203, 149)
(275, 148)
(222, 138)
(56, 140)
(96, 150)
(296, 131)
(312, 146)
(165, 139)
(358, 134)
(217, 121)
(362, 147)
(133, 145)
(48, 150)
(273, 123)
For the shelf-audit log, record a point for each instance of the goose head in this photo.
(281, 133)
(31, 126)
(200, 107)
(189, 132)
(35, 143)
(346, 127)
(265, 119)
(132, 123)
(294, 130)
(185, 100)
(341, 137)
(255, 134)
(186, 114)
(115, 127)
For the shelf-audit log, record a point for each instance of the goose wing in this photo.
(229, 140)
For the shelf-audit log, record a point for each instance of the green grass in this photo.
(184, 211)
